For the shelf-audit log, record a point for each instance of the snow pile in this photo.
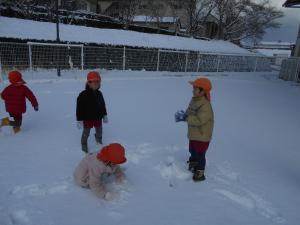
(29, 29)
(252, 164)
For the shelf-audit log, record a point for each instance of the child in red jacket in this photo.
(14, 97)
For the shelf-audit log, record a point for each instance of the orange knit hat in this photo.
(93, 76)
(114, 153)
(15, 77)
(203, 83)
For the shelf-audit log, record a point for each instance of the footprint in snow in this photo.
(19, 217)
(139, 153)
(225, 170)
(40, 190)
(252, 201)
(172, 170)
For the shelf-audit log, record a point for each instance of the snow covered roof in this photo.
(274, 52)
(292, 4)
(29, 29)
(276, 43)
(164, 19)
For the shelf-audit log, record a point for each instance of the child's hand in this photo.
(180, 116)
(79, 125)
(105, 119)
(36, 108)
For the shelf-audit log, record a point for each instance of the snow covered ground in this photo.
(253, 162)
(29, 29)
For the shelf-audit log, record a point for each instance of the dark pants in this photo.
(199, 158)
(86, 134)
(198, 151)
(17, 122)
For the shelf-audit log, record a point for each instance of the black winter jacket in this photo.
(90, 105)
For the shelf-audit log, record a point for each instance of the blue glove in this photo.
(180, 116)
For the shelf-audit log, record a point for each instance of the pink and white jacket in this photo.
(89, 171)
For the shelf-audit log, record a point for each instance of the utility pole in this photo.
(57, 38)
(297, 47)
(294, 4)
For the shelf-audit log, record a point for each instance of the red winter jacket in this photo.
(15, 98)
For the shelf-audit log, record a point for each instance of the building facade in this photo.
(167, 14)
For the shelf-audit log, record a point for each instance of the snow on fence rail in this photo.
(33, 55)
(290, 69)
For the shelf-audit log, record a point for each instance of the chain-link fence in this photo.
(290, 69)
(33, 56)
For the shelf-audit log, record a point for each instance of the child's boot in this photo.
(4, 122)
(199, 175)
(16, 129)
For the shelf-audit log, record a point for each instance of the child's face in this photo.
(94, 85)
(198, 92)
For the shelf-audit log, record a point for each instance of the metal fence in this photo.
(34, 56)
(290, 69)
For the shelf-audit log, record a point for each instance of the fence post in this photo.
(30, 56)
(186, 61)
(158, 60)
(256, 61)
(218, 65)
(124, 58)
(198, 63)
(82, 58)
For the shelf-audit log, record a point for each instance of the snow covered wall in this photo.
(29, 29)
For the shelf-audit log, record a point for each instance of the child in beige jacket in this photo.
(88, 173)
(200, 119)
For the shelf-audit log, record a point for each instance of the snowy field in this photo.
(253, 162)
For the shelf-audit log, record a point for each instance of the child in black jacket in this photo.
(91, 109)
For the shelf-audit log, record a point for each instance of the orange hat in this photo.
(93, 76)
(15, 77)
(203, 83)
(114, 153)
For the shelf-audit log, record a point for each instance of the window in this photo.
(143, 6)
(177, 7)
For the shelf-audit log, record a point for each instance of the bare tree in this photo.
(261, 17)
(175, 9)
(197, 11)
(157, 11)
(127, 10)
(28, 6)
(242, 19)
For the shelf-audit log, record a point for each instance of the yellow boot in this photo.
(4, 122)
(17, 129)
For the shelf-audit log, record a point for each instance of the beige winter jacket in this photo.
(200, 119)
(89, 172)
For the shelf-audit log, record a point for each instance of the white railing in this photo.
(33, 55)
